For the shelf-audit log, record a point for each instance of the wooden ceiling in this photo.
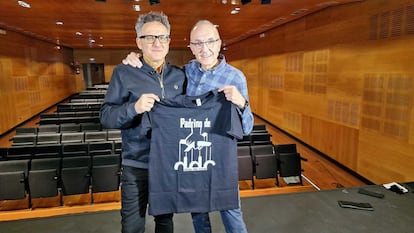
(110, 23)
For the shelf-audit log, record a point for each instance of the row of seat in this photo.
(60, 128)
(69, 114)
(68, 120)
(85, 100)
(66, 137)
(269, 161)
(52, 177)
(60, 150)
(85, 106)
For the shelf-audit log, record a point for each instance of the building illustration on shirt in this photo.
(195, 149)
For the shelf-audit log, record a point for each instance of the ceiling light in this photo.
(78, 33)
(136, 7)
(235, 11)
(278, 20)
(24, 4)
(59, 23)
(298, 12)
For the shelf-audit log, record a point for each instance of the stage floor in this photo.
(307, 212)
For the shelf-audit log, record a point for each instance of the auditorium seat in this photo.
(289, 165)
(72, 137)
(93, 136)
(47, 151)
(105, 173)
(49, 128)
(259, 128)
(265, 160)
(13, 179)
(74, 149)
(91, 126)
(24, 139)
(118, 147)
(3, 153)
(260, 138)
(113, 134)
(245, 164)
(26, 130)
(20, 152)
(75, 175)
(245, 141)
(48, 138)
(100, 148)
(44, 177)
(70, 127)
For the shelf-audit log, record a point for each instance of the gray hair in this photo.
(152, 17)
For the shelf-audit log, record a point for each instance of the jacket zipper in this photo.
(161, 80)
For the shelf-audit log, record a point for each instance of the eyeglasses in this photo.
(200, 44)
(150, 39)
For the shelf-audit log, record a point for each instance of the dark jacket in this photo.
(126, 86)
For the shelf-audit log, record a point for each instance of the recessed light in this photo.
(78, 33)
(24, 4)
(298, 12)
(136, 7)
(59, 23)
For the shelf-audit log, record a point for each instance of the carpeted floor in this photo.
(308, 212)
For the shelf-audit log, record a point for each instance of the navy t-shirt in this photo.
(193, 157)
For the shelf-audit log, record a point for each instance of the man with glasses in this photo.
(131, 93)
(207, 72)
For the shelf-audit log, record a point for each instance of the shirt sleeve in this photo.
(246, 114)
(116, 111)
(247, 119)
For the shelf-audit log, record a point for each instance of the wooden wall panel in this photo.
(34, 75)
(341, 80)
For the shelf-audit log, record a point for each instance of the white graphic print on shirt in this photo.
(195, 149)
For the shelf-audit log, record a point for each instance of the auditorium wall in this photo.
(34, 75)
(342, 81)
(113, 57)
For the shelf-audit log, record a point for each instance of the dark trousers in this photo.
(134, 196)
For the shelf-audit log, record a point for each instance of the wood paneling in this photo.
(341, 82)
(33, 76)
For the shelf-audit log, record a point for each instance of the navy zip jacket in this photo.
(125, 88)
